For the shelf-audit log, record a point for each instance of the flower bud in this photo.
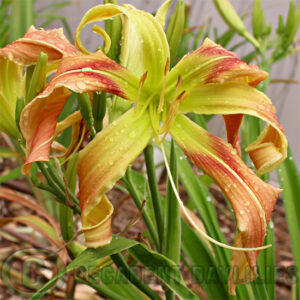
(86, 112)
(37, 80)
(175, 29)
(19, 107)
(232, 19)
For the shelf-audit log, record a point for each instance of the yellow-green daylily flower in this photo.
(209, 80)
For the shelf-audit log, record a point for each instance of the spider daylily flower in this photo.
(209, 80)
(25, 52)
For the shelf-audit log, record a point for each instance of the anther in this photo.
(141, 84)
(162, 95)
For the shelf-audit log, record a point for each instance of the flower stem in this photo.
(156, 199)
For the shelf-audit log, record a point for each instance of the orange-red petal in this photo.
(81, 74)
(252, 199)
(270, 149)
(25, 51)
(211, 63)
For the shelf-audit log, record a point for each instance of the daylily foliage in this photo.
(210, 80)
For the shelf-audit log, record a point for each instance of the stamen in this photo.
(142, 81)
(192, 222)
(162, 95)
(171, 116)
(145, 105)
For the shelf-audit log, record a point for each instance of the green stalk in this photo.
(127, 180)
(155, 196)
(171, 244)
(66, 213)
(266, 263)
(172, 231)
(129, 274)
(56, 185)
(61, 184)
(21, 18)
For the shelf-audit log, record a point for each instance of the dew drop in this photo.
(261, 106)
(81, 85)
(132, 134)
(208, 199)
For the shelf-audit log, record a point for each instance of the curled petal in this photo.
(80, 74)
(161, 13)
(270, 149)
(144, 44)
(251, 199)
(103, 161)
(211, 63)
(232, 123)
(26, 50)
(96, 225)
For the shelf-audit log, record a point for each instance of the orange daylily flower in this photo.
(25, 52)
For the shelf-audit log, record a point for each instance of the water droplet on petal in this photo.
(81, 85)
(132, 134)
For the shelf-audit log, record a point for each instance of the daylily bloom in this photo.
(209, 80)
(25, 52)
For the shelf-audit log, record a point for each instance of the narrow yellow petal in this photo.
(105, 159)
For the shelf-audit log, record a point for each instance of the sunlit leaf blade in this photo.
(12, 175)
(266, 259)
(204, 264)
(113, 286)
(37, 224)
(127, 271)
(290, 183)
(162, 267)
(166, 270)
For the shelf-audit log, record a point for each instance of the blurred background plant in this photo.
(56, 226)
